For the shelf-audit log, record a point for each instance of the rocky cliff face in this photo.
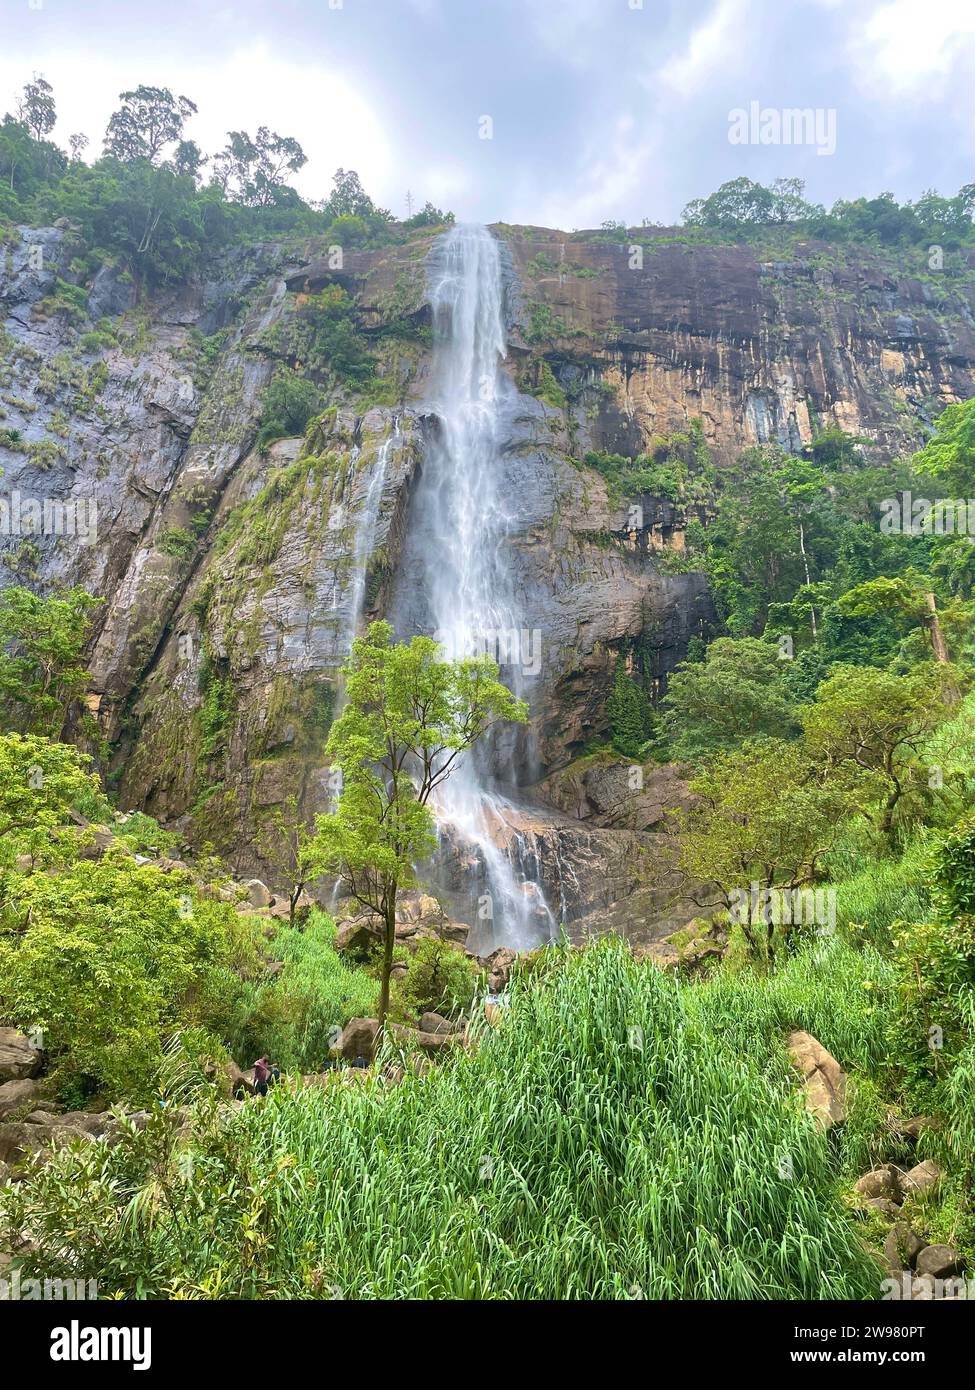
(232, 578)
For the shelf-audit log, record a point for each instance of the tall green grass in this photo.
(618, 1135)
(295, 1016)
(878, 892)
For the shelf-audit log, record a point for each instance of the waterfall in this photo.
(459, 577)
(365, 537)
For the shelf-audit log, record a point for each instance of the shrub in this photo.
(290, 401)
(631, 718)
(110, 959)
(296, 1016)
(439, 978)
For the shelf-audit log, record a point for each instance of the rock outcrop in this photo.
(20, 1058)
(824, 1083)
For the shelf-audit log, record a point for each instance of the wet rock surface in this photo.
(162, 440)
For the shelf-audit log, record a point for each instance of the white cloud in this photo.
(247, 87)
(614, 173)
(904, 45)
(709, 49)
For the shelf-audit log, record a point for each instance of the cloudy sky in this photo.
(598, 108)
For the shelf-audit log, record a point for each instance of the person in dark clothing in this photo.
(262, 1073)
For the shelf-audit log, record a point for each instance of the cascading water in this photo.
(460, 574)
(365, 538)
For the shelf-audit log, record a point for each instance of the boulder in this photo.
(19, 1058)
(912, 1128)
(238, 1082)
(358, 1038)
(40, 1117)
(172, 866)
(281, 907)
(258, 894)
(358, 934)
(436, 1023)
(19, 1141)
(924, 1177)
(85, 1122)
(498, 965)
(902, 1246)
(824, 1082)
(880, 1182)
(883, 1205)
(940, 1261)
(16, 1093)
(660, 953)
(427, 1042)
(94, 840)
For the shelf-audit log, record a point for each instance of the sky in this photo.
(558, 113)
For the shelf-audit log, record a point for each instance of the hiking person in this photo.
(261, 1074)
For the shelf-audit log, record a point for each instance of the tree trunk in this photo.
(805, 566)
(388, 945)
(295, 894)
(939, 646)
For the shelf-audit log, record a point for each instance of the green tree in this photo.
(287, 845)
(26, 165)
(348, 197)
(735, 693)
(762, 815)
(254, 170)
(439, 978)
(752, 550)
(290, 401)
(42, 678)
(40, 784)
(950, 454)
(630, 715)
(36, 109)
(911, 595)
(409, 717)
(149, 119)
(871, 720)
(110, 958)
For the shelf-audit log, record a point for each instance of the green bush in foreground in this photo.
(605, 1141)
(108, 958)
(296, 1016)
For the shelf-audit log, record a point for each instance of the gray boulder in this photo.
(19, 1058)
(358, 1038)
(14, 1094)
(940, 1261)
(902, 1246)
(880, 1182)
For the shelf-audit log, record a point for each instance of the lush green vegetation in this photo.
(551, 1185)
(620, 1132)
(154, 204)
(744, 207)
